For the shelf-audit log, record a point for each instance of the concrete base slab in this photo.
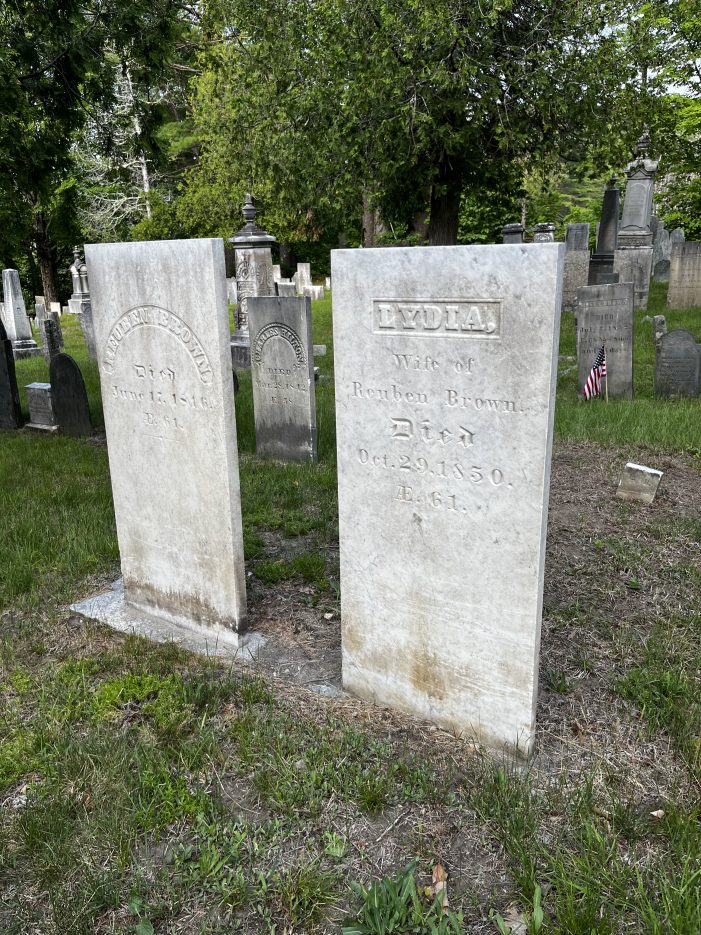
(112, 610)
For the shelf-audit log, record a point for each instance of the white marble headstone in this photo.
(445, 363)
(162, 334)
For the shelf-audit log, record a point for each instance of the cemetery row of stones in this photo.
(445, 386)
(444, 447)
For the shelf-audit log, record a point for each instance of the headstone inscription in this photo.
(605, 316)
(685, 275)
(69, 396)
(14, 317)
(677, 364)
(10, 412)
(41, 410)
(445, 379)
(634, 264)
(282, 370)
(162, 333)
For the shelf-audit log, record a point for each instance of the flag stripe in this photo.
(592, 386)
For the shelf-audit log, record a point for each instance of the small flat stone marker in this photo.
(41, 410)
(638, 483)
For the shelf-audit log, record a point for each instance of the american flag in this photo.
(593, 385)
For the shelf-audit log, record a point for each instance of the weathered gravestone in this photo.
(577, 237)
(51, 342)
(639, 483)
(601, 264)
(575, 275)
(14, 317)
(634, 230)
(544, 233)
(282, 370)
(512, 233)
(10, 412)
(685, 275)
(659, 327)
(286, 289)
(162, 333)
(605, 316)
(634, 264)
(41, 410)
(445, 384)
(677, 364)
(69, 396)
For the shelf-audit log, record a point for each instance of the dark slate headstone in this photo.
(605, 316)
(52, 343)
(607, 234)
(577, 237)
(512, 233)
(544, 233)
(70, 399)
(10, 413)
(677, 364)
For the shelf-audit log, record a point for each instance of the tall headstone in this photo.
(605, 316)
(544, 233)
(162, 333)
(577, 238)
(634, 264)
(254, 263)
(677, 364)
(14, 316)
(10, 412)
(661, 252)
(601, 264)
(512, 233)
(69, 396)
(634, 230)
(303, 278)
(282, 370)
(254, 276)
(685, 275)
(445, 367)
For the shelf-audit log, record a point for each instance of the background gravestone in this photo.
(282, 370)
(677, 364)
(162, 332)
(14, 315)
(605, 316)
(40, 404)
(10, 412)
(512, 233)
(69, 396)
(634, 264)
(601, 263)
(685, 275)
(445, 367)
(577, 238)
(575, 275)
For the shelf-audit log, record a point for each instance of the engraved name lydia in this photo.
(151, 316)
(476, 318)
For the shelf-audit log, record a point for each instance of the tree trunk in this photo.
(46, 257)
(445, 204)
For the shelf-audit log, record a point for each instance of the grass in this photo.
(147, 791)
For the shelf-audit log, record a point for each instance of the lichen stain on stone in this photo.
(187, 607)
(426, 673)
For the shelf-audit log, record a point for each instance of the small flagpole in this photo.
(606, 378)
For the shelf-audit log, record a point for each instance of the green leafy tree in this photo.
(405, 105)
